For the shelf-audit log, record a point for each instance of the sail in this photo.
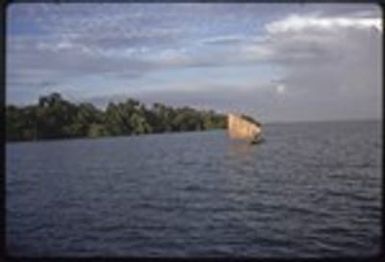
(243, 127)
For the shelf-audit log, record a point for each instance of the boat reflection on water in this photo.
(241, 151)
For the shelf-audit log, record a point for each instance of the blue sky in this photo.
(276, 62)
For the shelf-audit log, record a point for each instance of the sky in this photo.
(275, 62)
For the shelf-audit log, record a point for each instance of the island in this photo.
(56, 118)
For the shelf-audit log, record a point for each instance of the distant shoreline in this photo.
(55, 118)
(192, 131)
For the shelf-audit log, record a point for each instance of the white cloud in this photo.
(295, 23)
(332, 64)
(224, 39)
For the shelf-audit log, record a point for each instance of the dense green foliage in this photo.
(54, 117)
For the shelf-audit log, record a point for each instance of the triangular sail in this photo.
(243, 127)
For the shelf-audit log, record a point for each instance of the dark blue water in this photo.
(311, 189)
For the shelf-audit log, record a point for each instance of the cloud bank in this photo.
(276, 62)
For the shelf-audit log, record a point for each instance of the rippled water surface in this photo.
(311, 189)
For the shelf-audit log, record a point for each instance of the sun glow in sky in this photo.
(276, 62)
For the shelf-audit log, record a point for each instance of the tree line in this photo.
(54, 117)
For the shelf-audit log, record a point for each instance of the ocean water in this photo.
(309, 190)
